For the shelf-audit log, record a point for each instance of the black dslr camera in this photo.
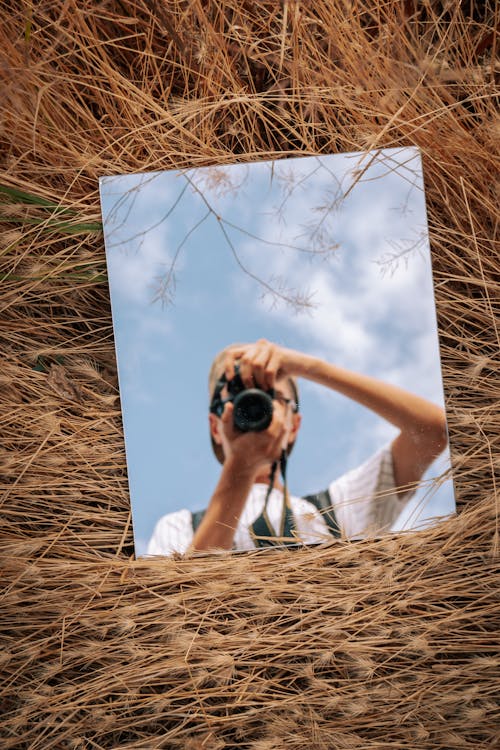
(253, 407)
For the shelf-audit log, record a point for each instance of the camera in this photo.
(253, 407)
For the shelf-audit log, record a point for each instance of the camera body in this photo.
(253, 407)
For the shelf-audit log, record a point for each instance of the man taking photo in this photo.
(251, 506)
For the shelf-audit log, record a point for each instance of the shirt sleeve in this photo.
(365, 499)
(172, 533)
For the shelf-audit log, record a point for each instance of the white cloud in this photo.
(364, 320)
(139, 237)
(133, 275)
(373, 317)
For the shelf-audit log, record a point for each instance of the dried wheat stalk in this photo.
(388, 644)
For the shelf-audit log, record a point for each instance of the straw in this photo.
(389, 643)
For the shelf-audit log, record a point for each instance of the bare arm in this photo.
(247, 455)
(218, 526)
(422, 424)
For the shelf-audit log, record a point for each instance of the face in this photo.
(283, 405)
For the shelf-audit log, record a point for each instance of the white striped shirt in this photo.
(364, 500)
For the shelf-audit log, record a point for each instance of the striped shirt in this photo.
(364, 500)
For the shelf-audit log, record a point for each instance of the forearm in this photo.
(422, 424)
(217, 529)
(405, 410)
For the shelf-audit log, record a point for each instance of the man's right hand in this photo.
(248, 457)
(252, 451)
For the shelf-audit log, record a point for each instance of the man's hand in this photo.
(247, 459)
(422, 424)
(260, 364)
(251, 451)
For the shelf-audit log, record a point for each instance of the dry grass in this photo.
(389, 644)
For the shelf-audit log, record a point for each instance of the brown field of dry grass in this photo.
(391, 644)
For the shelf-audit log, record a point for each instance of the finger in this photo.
(267, 363)
(233, 358)
(254, 363)
(227, 412)
(246, 369)
(229, 364)
(227, 420)
(272, 368)
(238, 351)
(277, 428)
(232, 355)
(261, 365)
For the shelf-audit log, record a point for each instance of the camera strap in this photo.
(261, 530)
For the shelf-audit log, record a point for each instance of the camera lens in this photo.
(253, 410)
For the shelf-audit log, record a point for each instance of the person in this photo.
(251, 506)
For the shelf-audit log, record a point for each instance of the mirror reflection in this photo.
(277, 352)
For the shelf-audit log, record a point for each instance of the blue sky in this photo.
(207, 257)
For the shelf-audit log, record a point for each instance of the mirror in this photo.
(319, 269)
